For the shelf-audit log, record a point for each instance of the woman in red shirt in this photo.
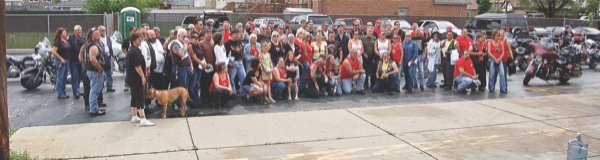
(496, 52)
(220, 89)
(306, 54)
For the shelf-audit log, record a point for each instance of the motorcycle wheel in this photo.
(563, 80)
(523, 64)
(29, 86)
(593, 64)
(527, 78)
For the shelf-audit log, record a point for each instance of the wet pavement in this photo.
(39, 107)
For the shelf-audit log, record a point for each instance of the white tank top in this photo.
(357, 47)
(383, 46)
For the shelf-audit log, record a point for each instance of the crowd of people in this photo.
(269, 63)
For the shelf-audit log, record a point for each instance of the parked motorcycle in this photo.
(521, 49)
(44, 68)
(119, 56)
(593, 52)
(16, 66)
(547, 64)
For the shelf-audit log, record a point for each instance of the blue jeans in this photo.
(463, 82)
(399, 81)
(277, 89)
(432, 77)
(62, 72)
(194, 85)
(302, 80)
(409, 74)
(390, 84)
(96, 82)
(183, 75)
(496, 69)
(239, 71)
(347, 83)
(109, 75)
(419, 72)
(76, 72)
(333, 83)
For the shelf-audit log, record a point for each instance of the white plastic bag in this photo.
(453, 57)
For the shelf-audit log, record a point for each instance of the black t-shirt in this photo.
(126, 44)
(287, 48)
(262, 38)
(64, 49)
(248, 80)
(276, 51)
(237, 55)
(334, 48)
(419, 40)
(199, 54)
(290, 64)
(134, 58)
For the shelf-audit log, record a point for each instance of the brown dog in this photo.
(165, 97)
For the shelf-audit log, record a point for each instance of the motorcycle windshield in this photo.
(117, 37)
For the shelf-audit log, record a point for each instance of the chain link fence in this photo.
(25, 30)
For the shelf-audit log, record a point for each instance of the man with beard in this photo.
(95, 71)
(419, 80)
(76, 41)
(236, 67)
(370, 59)
(334, 48)
(465, 74)
(181, 60)
(108, 51)
(157, 57)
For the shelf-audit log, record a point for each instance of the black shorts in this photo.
(137, 95)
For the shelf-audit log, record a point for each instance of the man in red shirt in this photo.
(226, 31)
(377, 28)
(464, 42)
(464, 74)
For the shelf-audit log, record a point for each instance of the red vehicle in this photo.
(349, 22)
(547, 64)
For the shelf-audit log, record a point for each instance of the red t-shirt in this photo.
(254, 52)
(467, 65)
(413, 34)
(354, 65)
(226, 36)
(464, 44)
(222, 82)
(496, 50)
(378, 31)
(396, 54)
(506, 52)
(282, 75)
(309, 51)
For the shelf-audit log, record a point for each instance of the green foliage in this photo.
(549, 7)
(108, 6)
(484, 6)
(21, 156)
(591, 15)
(496, 9)
(56, 1)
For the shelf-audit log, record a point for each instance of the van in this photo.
(218, 16)
(317, 20)
(490, 21)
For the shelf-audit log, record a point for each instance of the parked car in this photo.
(591, 33)
(587, 18)
(266, 20)
(349, 22)
(404, 25)
(540, 32)
(490, 21)
(218, 16)
(317, 20)
(440, 25)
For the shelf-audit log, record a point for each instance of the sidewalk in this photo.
(520, 128)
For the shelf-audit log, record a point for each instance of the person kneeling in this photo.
(252, 86)
(464, 74)
(220, 90)
(316, 81)
(387, 75)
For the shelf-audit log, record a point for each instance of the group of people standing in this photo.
(271, 62)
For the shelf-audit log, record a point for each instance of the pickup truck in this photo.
(218, 16)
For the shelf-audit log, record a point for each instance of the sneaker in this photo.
(110, 90)
(126, 88)
(135, 119)
(145, 122)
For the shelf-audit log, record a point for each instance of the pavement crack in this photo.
(133, 154)
(187, 122)
(540, 121)
(391, 134)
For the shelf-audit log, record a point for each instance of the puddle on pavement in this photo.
(410, 111)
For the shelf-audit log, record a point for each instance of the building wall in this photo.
(388, 7)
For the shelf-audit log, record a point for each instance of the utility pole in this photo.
(4, 130)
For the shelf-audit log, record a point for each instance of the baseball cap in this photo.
(210, 22)
(77, 27)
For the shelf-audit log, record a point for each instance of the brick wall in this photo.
(388, 7)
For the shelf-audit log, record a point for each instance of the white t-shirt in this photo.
(106, 49)
(220, 55)
(159, 53)
(146, 53)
